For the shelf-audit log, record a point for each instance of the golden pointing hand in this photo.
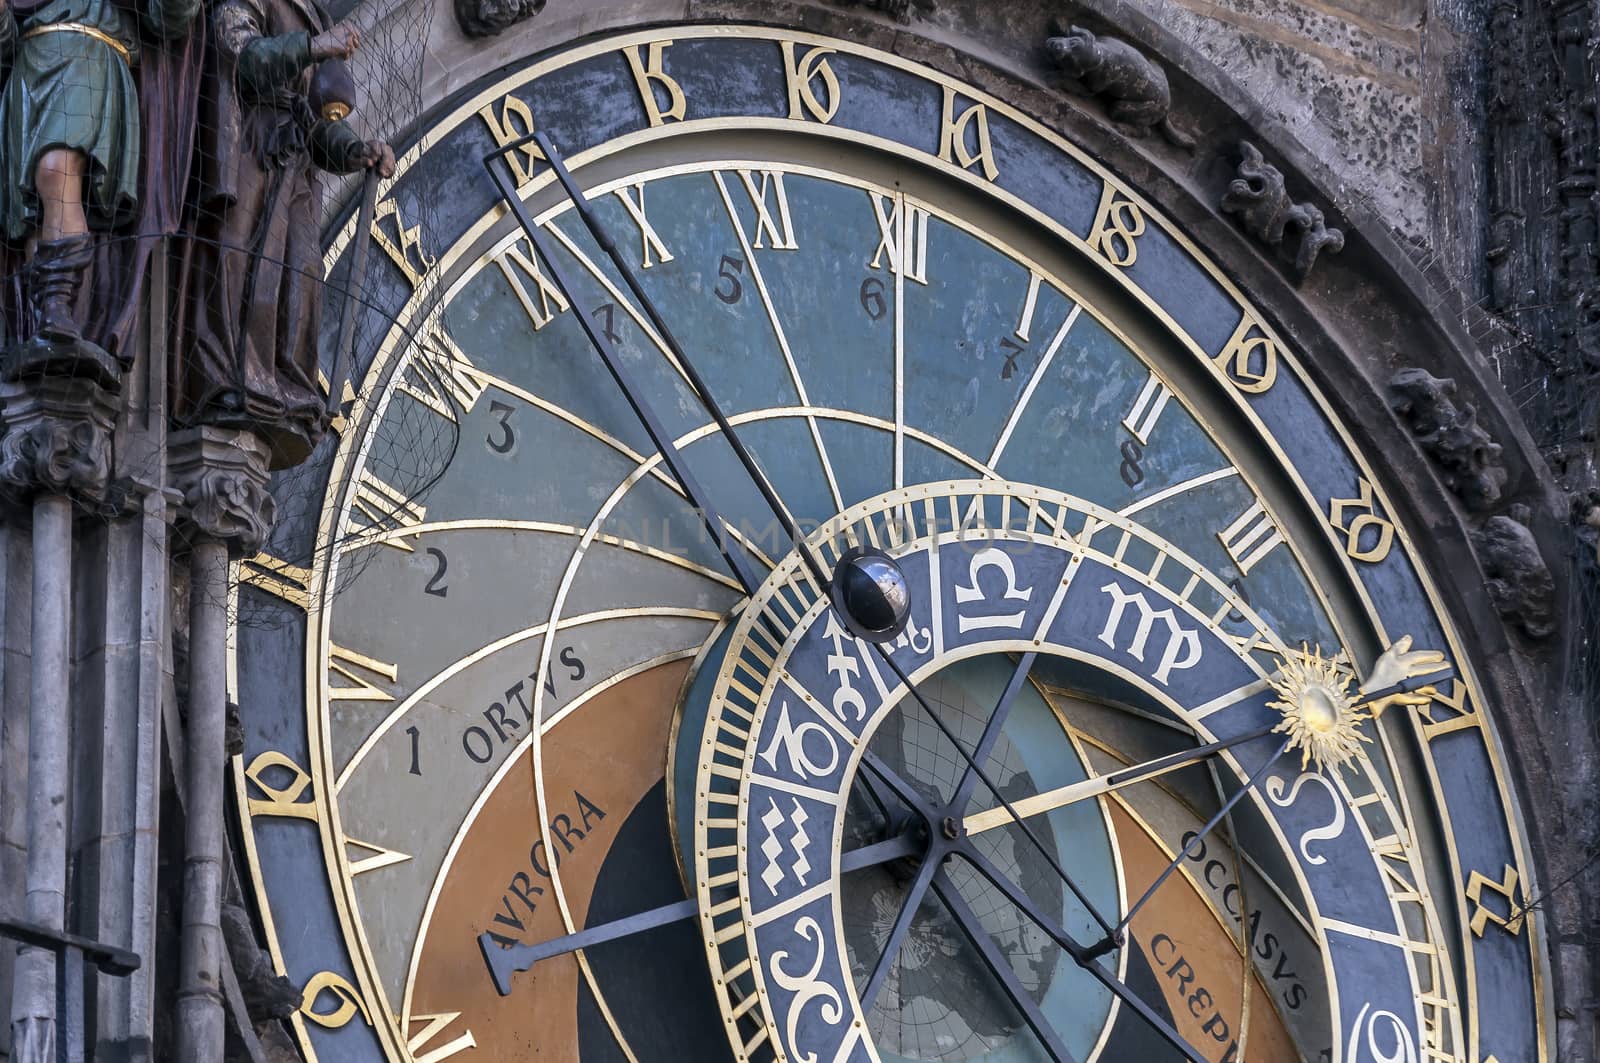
(1399, 663)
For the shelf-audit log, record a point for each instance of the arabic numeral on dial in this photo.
(1010, 349)
(435, 585)
(507, 436)
(1131, 470)
(607, 312)
(872, 300)
(730, 289)
(416, 750)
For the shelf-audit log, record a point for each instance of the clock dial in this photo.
(567, 778)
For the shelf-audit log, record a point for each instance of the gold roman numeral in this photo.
(437, 1026)
(378, 507)
(1250, 538)
(902, 237)
(277, 577)
(771, 201)
(648, 236)
(520, 264)
(513, 121)
(356, 667)
(441, 377)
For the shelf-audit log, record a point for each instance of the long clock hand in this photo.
(505, 961)
(641, 406)
(779, 511)
(1050, 800)
(1111, 940)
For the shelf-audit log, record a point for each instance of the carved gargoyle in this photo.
(1520, 584)
(1131, 86)
(899, 10)
(1258, 196)
(267, 994)
(487, 18)
(1465, 453)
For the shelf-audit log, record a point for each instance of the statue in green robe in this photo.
(78, 163)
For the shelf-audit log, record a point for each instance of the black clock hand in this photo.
(505, 961)
(1001, 968)
(580, 203)
(1111, 941)
(779, 511)
(641, 406)
(1058, 933)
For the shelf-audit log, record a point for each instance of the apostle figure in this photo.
(247, 353)
(96, 125)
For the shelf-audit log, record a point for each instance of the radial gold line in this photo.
(548, 527)
(1033, 384)
(448, 860)
(499, 644)
(1232, 697)
(1177, 489)
(783, 342)
(650, 465)
(899, 345)
(616, 295)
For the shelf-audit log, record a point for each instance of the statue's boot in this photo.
(57, 347)
(55, 275)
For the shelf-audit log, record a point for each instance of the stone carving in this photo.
(254, 272)
(97, 119)
(1258, 196)
(1132, 87)
(1464, 452)
(57, 437)
(267, 994)
(1520, 584)
(1586, 512)
(899, 10)
(486, 18)
(222, 474)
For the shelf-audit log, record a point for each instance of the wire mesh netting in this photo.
(207, 146)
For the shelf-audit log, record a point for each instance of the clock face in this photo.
(1027, 720)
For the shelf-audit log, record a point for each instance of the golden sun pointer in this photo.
(1320, 711)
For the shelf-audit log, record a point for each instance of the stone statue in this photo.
(488, 18)
(96, 127)
(1467, 455)
(1258, 196)
(1133, 88)
(253, 277)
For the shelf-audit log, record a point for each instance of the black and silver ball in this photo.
(870, 593)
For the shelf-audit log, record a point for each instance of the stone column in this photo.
(222, 475)
(57, 446)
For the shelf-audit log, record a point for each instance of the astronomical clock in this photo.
(886, 595)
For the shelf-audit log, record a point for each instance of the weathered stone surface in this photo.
(57, 436)
(222, 474)
(1520, 584)
(1468, 459)
(1259, 198)
(488, 18)
(1132, 87)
